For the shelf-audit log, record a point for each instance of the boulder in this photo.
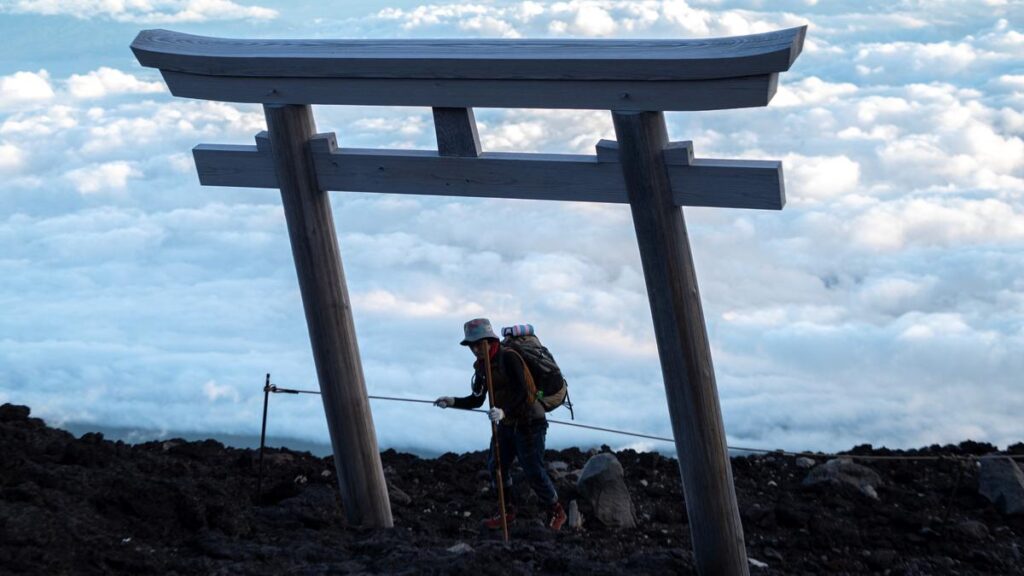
(973, 530)
(557, 469)
(604, 487)
(13, 413)
(461, 548)
(398, 496)
(844, 471)
(804, 462)
(1002, 482)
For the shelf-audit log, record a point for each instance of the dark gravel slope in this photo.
(89, 506)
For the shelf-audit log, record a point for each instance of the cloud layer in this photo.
(884, 304)
(142, 11)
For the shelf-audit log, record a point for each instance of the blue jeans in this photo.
(526, 442)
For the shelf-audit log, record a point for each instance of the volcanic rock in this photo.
(844, 471)
(1002, 482)
(804, 462)
(972, 529)
(603, 485)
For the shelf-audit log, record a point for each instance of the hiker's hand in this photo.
(496, 414)
(444, 402)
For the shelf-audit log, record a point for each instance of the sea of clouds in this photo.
(884, 304)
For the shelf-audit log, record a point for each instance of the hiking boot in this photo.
(494, 522)
(556, 517)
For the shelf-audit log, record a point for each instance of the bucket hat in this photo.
(477, 329)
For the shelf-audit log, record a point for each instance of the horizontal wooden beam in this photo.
(571, 177)
(473, 59)
(676, 95)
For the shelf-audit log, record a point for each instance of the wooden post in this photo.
(683, 347)
(456, 132)
(307, 210)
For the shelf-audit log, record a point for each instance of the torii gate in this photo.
(636, 80)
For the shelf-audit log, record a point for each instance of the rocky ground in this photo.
(90, 506)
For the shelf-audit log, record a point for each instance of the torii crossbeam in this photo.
(636, 80)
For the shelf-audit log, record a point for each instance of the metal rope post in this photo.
(263, 439)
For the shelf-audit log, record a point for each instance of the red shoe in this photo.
(494, 522)
(556, 517)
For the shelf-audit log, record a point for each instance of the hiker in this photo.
(521, 424)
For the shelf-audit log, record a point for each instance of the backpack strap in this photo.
(531, 386)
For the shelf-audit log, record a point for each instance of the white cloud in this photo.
(896, 295)
(928, 326)
(811, 91)
(39, 124)
(566, 131)
(584, 18)
(592, 20)
(933, 60)
(149, 123)
(610, 341)
(1014, 81)
(109, 177)
(941, 222)
(438, 305)
(108, 81)
(816, 178)
(11, 158)
(874, 109)
(488, 26)
(25, 89)
(142, 11)
(215, 392)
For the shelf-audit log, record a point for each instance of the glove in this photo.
(496, 414)
(444, 402)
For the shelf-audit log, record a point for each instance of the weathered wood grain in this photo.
(677, 95)
(476, 59)
(232, 165)
(456, 132)
(307, 209)
(679, 153)
(751, 184)
(683, 346)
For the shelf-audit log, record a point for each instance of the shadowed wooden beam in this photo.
(678, 95)
(755, 184)
(683, 346)
(703, 74)
(456, 132)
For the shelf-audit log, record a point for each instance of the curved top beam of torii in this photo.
(668, 75)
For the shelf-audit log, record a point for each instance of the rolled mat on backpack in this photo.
(517, 330)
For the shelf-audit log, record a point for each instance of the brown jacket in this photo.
(510, 389)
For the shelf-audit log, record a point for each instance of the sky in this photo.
(884, 304)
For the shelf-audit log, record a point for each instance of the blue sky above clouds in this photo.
(884, 304)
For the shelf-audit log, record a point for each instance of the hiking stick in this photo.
(494, 438)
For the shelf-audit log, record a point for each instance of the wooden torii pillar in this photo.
(636, 80)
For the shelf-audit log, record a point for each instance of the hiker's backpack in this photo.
(542, 371)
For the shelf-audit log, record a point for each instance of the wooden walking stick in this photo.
(494, 438)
